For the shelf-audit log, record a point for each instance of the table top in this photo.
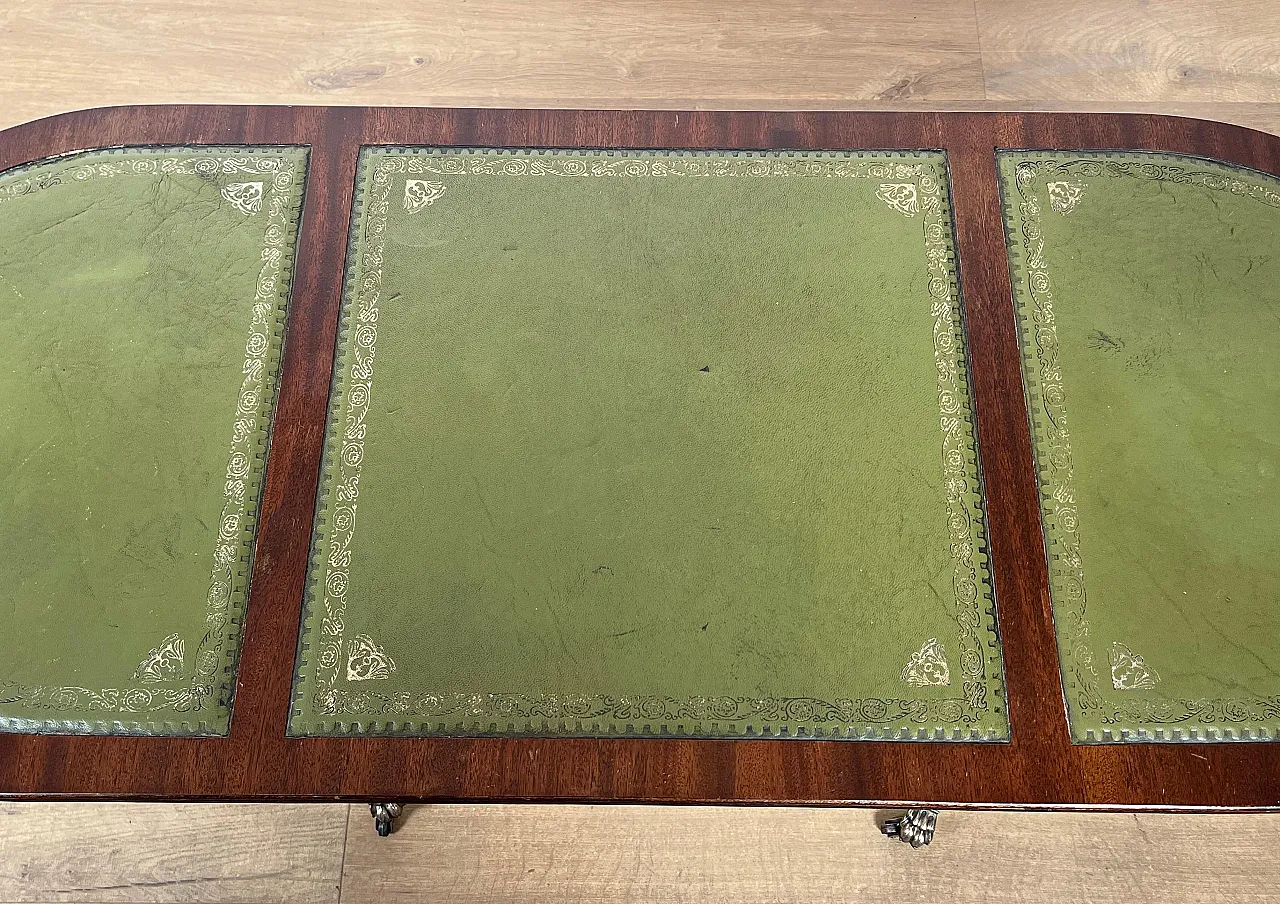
(1038, 767)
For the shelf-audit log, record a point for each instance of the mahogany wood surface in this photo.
(1039, 768)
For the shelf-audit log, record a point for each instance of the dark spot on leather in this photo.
(705, 370)
(418, 61)
(351, 77)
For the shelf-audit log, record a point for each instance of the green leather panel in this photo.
(1148, 301)
(142, 304)
(650, 444)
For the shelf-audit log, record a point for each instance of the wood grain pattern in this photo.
(1262, 116)
(1215, 61)
(532, 854)
(187, 852)
(483, 52)
(95, 853)
(1038, 768)
(1162, 50)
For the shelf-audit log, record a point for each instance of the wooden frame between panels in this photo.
(1039, 768)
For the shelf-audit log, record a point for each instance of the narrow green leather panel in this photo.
(650, 443)
(1146, 289)
(142, 304)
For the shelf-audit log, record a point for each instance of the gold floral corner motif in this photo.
(903, 197)
(367, 661)
(246, 197)
(928, 666)
(1129, 672)
(1065, 196)
(419, 194)
(165, 662)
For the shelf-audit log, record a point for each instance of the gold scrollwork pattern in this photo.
(1038, 327)
(253, 406)
(959, 445)
(351, 430)
(681, 165)
(345, 445)
(478, 713)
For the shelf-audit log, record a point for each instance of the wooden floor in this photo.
(1217, 60)
(530, 854)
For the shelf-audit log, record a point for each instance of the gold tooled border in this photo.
(1192, 719)
(980, 661)
(246, 458)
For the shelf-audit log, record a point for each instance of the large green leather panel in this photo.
(142, 304)
(650, 444)
(1148, 300)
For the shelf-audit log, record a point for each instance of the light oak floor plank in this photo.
(90, 852)
(1106, 50)
(720, 54)
(531, 854)
(64, 54)
(1262, 116)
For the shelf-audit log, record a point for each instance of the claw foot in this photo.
(383, 816)
(915, 827)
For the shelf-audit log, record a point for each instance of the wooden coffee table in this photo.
(1039, 767)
